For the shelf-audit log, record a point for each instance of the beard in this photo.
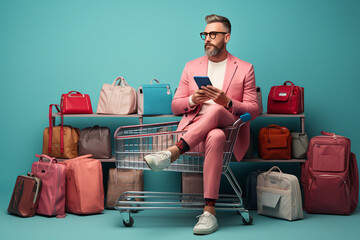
(215, 50)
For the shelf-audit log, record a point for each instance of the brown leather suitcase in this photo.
(122, 180)
(26, 195)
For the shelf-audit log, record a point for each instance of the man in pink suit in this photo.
(205, 111)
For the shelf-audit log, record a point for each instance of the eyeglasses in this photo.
(212, 35)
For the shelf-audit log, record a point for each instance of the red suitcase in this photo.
(330, 176)
(26, 195)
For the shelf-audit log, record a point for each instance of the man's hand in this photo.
(217, 95)
(199, 97)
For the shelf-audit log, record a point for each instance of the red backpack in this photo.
(330, 176)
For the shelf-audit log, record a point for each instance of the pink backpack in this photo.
(84, 185)
(330, 176)
(52, 195)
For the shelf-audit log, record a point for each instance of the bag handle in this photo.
(272, 170)
(76, 92)
(122, 82)
(52, 159)
(81, 157)
(58, 108)
(92, 128)
(292, 84)
(157, 81)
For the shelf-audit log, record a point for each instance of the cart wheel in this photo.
(250, 222)
(130, 223)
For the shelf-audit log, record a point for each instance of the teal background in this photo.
(51, 47)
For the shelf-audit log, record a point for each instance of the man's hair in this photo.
(217, 18)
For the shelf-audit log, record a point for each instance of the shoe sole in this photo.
(205, 232)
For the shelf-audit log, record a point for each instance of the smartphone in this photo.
(202, 81)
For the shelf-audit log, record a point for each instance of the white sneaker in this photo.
(207, 224)
(158, 161)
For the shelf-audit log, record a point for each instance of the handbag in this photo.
(154, 99)
(26, 195)
(60, 141)
(299, 144)
(279, 195)
(95, 141)
(84, 185)
(117, 99)
(75, 102)
(274, 142)
(53, 177)
(286, 99)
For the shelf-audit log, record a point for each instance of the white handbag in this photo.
(117, 99)
(278, 195)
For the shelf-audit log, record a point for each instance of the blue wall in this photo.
(51, 47)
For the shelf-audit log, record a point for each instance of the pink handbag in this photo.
(285, 99)
(52, 196)
(117, 98)
(84, 185)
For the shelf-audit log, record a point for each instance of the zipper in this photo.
(57, 190)
(328, 175)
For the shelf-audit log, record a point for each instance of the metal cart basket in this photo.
(132, 143)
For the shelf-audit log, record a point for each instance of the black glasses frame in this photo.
(212, 35)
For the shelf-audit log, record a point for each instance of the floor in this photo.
(165, 224)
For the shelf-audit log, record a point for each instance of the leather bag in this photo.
(285, 99)
(279, 195)
(274, 142)
(75, 102)
(117, 99)
(84, 185)
(299, 145)
(330, 176)
(123, 180)
(96, 141)
(60, 141)
(154, 99)
(26, 195)
(53, 177)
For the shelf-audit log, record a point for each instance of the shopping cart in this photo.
(132, 143)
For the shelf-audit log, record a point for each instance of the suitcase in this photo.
(330, 176)
(122, 180)
(52, 175)
(279, 195)
(26, 195)
(84, 185)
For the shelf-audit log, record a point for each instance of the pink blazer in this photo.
(239, 85)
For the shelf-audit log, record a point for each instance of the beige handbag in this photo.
(279, 195)
(117, 99)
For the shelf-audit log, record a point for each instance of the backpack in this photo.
(330, 176)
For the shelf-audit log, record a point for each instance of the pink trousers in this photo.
(204, 135)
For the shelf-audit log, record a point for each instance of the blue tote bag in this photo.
(154, 99)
